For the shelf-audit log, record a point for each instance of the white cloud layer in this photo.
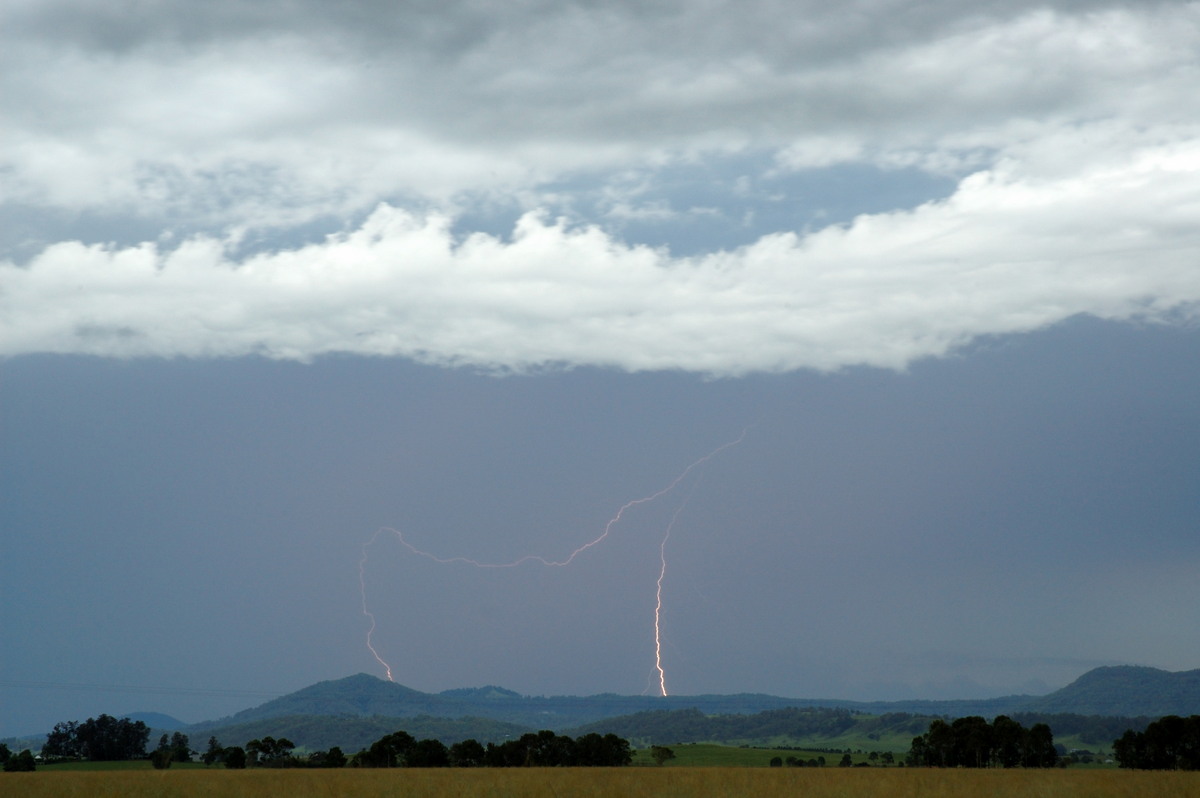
(1072, 126)
(1008, 252)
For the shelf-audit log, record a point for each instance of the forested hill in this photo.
(794, 724)
(1111, 691)
(1125, 690)
(355, 732)
(824, 727)
(364, 695)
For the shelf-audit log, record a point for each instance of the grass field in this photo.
(693, 782)
(713, 755)
(134, 764)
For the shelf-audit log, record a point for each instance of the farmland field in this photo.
(692, 782)
(722, 756)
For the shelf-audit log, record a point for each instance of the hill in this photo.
(791, 727)
(156, 720)
(346, 712)
(354, 695)
(357, 710)
(365, 695)
(352, 733)
(1125, 690)
(819, 727)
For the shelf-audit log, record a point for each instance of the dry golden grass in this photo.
(602, 783)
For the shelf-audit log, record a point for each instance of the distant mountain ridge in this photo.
(356, 710)
(1125, 691)
(365, 695)
(157, 720)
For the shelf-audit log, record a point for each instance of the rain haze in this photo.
(286, 286)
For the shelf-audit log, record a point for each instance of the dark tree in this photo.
(1039, 748)
(973, 742)
(918, 752)
(660, 754)
(5, 753)
(1009, 737)
(162, 756)
(547, 749)
(508, 754)
(214, 753)
(333, 758)
(180, 747)
(1169, 743)
(269, 752)
(466, 754)
(428, 754)
(592, 750)
(972, 746)
(1188, 753)
(234, 757)
(101, 739)
(940, 743)
(106, 739)
(20, 763)
(390, 751)
(540, 749)
(63, 742)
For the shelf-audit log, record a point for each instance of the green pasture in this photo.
(728, 756)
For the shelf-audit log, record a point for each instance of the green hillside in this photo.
(354, 711)
(1099, 705)
(352, 733)
(1126, 690)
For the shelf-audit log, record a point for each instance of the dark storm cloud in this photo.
(1020, 513)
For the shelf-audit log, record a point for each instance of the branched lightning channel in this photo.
(362, 585)
(658, 603)
(362, 563)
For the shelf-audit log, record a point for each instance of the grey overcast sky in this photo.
(285, 285)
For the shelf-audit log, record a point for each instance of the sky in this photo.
(863, 337)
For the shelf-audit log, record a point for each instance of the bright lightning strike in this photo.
(362, 585)
(362, 563)
(658, 603)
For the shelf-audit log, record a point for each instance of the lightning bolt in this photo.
(662, 574)
(362, 563)
(362, 585)
(658, 586)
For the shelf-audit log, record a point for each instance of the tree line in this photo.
(535, 749)
(401, 750)
(1169, 743)
(691, 725)
(102, 739)
(269, 752)
(108, 739)
(16, 763)
(668, 726)
(173, 748)
(972, 742)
